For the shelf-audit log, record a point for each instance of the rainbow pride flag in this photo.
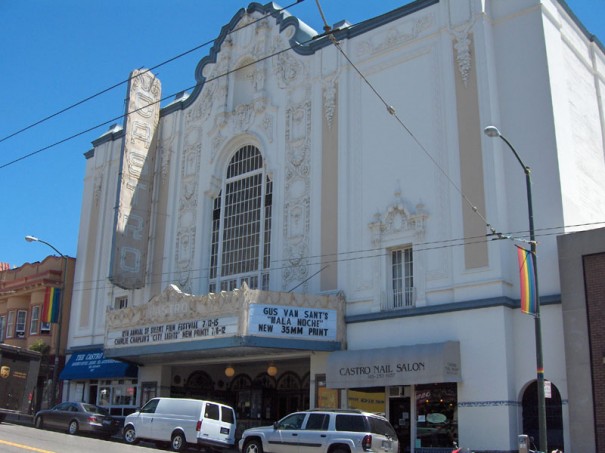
(50, 310)
(528, 280)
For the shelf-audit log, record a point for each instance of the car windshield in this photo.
(292, 421)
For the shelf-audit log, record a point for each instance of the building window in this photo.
(119, 396)
(402, 278)
(120, 302)
(437, 414)
(44, 327)
(20, 325)
(10, 325)
(34, 322)
(241, 225)
(2, 328)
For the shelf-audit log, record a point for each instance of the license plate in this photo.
(386, 444)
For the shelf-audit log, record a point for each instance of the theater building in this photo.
(282, 237)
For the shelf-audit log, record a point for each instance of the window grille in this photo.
(402, 275)
(120, 302)
(240, 249)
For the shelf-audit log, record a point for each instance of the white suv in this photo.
(323, 431)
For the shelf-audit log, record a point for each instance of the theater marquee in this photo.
(291, 322)
(182, 323)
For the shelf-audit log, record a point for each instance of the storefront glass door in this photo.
(399, 416)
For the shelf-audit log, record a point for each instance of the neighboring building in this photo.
(282, 241)
(582, 266)
(22, 295)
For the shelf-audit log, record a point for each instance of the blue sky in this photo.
(60, 52)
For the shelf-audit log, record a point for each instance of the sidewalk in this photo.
(27, 420)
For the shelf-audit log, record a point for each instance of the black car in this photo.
(75, 417)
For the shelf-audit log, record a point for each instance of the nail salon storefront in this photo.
(414, 386)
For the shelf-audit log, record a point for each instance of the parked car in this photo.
(75, 417)
(182, 421)
(322, 431)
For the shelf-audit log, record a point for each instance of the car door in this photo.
(285, 437)
(57, 416)
(314, 436)
(144, 424)
(211, 427)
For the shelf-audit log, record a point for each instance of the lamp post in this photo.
(58, 341)
(492, 131)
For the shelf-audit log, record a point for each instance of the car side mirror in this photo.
(275, 425)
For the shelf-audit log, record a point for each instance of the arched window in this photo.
(241, 225)
(199, 380)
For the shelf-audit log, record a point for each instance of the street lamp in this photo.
(60, 320)
(492, 131)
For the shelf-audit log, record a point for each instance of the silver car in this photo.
(323, 431)
(76, 417)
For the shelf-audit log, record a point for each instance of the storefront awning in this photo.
(402, 365)
(92, 364)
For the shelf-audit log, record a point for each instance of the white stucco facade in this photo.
(353, 180)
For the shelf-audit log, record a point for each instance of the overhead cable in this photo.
(116, 85)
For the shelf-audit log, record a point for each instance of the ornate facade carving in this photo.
(297, 199)
(243, 116)
(396, 220)
(396, 36)
(288, 69)
(98, 187)
(329, 99)
(462, 45)
(186, 228)
(267, 126)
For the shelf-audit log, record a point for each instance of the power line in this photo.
(116, 85)
(391, 110)
(349, 256)
(170, 96)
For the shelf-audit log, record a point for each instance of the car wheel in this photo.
(73, 427)
(340, 450)
(178, 441)
(130, 435)
(253, 446)
(39, 423)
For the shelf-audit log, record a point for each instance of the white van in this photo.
(181, 421)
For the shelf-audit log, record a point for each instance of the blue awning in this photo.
(92, 364)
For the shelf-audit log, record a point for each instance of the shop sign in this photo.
(173, 332)
(91, 361)
(403, 365)
(135, 182)
(547, 389)
(366, 401)
(292, 322)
